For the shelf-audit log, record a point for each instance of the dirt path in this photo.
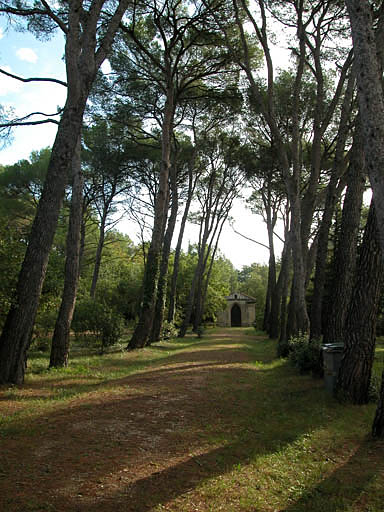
(139, 446)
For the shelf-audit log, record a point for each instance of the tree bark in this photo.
(271, 268)
(163, 277)
(143, 328)
(176, 261)
(282, 347)
(371, 103)
(82, 58)
(61, 340)
(99, 251)
(345, 257)
(276, 299)
(326, 221)
(359, 335)
(204, 292)
(18, 326)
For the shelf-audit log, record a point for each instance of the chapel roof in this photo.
(241, 297)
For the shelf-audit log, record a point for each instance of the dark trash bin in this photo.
(332, 354)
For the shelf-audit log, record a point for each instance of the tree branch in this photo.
(28, 123)
(54, 80)
(250, 239)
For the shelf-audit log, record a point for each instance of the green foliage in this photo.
(222, 281)
(99, 320)
(253, 281)
(168, 331)
(374, 388)
(43, 329)
(306, 355)
(20, 188)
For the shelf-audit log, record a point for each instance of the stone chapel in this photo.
(240, 311)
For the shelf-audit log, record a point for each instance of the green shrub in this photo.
(96, 319)
(374, 388)
(168, 330)
(306, 355)
(43, 330)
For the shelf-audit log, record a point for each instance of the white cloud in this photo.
(27, 54)
(7, 84)
(1, 33)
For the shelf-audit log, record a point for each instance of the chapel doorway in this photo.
(235, 316)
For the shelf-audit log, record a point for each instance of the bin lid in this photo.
(333, 347)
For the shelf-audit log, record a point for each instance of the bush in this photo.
(43, 330)
(306, 355)
(168, 331)
(98, 320)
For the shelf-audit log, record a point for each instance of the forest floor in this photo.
(211, 424)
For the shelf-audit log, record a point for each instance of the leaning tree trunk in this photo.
(18, 326)
(60, 340)
(345, 258)
(360, 326)
(162, 283)
(84, 54)
(143, 328)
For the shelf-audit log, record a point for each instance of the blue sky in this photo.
(23, 55)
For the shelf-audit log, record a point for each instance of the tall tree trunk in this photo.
(84, 54)
(330, 202)
(163, 277)
(271, 271)
(282, 347)
(200, 311)
(298, 320)
(99, 251)
(360, 326)
(60, 340)
(18, 326)
(189, 305)
(371, 103)
(176, 261)
(197, 304)
(143, 329)
(276, 299)
(205, 229)
(345, 258)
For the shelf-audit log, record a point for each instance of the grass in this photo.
(268, 439)
(49, 388)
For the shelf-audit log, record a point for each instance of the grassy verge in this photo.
(89, 372)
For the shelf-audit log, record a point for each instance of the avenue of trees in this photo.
(195, 110)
